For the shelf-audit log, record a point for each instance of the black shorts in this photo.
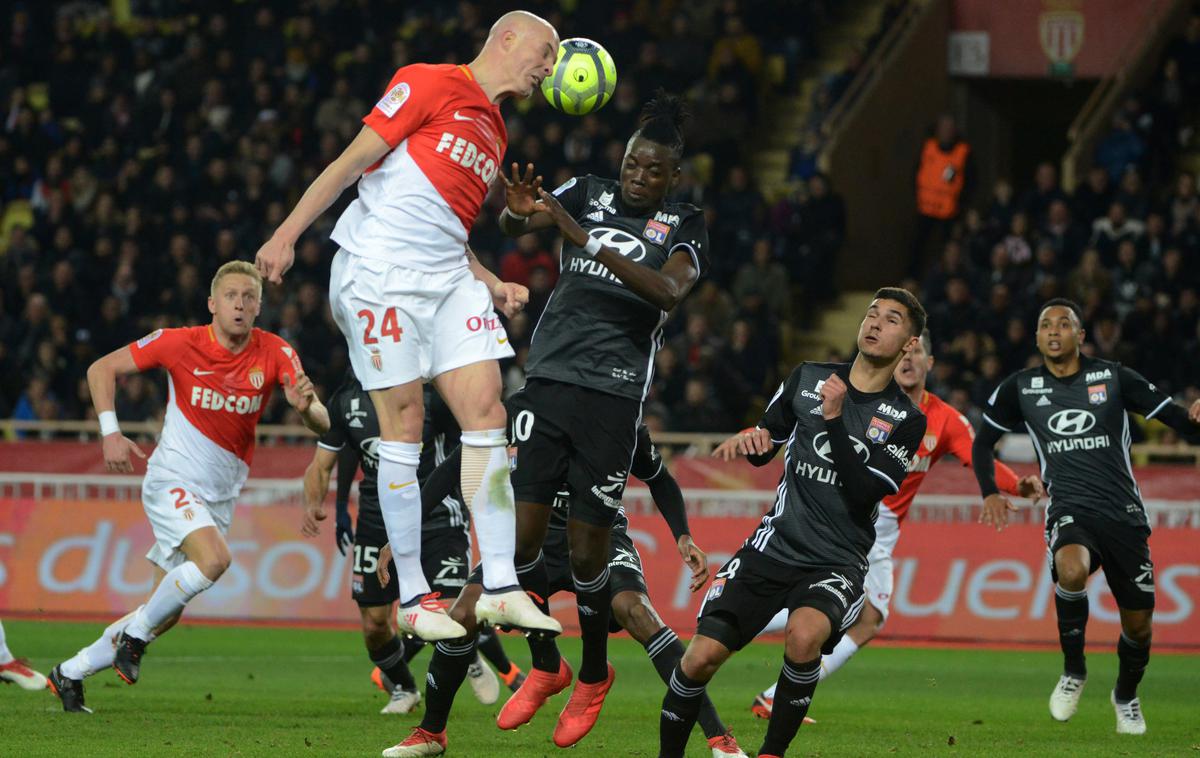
(445, 559)
(1123, 551)
(751, 588)
(568, 434)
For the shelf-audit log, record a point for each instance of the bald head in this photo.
(519, 53)
(518, 22)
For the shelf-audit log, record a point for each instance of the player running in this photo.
(414, 303)
(946, 431)
(15, 670)
(220, 377)
(445, 550)
(628, 258)
(1075, 409)
(631, 610)
(849, 434)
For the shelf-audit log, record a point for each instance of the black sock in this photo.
(489, 645)
(666, 651)
(793, 696)
(680, 706)
(390, 660)
(534, 579)
(412, 646)
(447, 670)
(1132, 659)
(593, 599)
(1072, 610)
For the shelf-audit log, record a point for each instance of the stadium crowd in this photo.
(1125, 245)
(135, 159)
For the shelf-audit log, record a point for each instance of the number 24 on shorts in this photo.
(389, 326)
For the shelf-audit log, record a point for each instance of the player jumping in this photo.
(414, 303)
(850, 434)
(351, 442)
(631, 610)
(1075, 409)
(946, 431)
(628, 258)
(220, 377)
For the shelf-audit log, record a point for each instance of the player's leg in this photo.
(447, 560)
(1130, 575)
(549, 674)
(473, 394)
(1074, 558)
(447, 670)
(386, 651)
(807, 631)
(746, 592)
(633, 612)
(17, 671)
(877, 589)
(207, 557)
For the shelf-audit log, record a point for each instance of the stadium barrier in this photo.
(71, 546)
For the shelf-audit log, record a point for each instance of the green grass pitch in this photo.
(233, 691)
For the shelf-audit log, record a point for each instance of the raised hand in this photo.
(521, 192)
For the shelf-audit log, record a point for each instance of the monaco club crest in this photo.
(256, 377)
(1060, 30)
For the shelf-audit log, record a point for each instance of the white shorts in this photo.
(402, 324)
(877, 587)
(175, 512)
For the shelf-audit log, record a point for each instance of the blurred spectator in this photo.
(944, 178)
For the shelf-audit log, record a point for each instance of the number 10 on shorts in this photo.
(389, 325)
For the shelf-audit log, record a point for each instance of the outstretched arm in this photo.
(316, 487)
(276, 255)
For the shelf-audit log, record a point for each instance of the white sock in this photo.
(5, 655)
(99, 655)
(488, 492)
(174, 592)
(400, 502)
(845, 648)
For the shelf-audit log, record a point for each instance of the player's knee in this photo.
(215, 565)
(1072, 575)
(803, 644)
(376, 629)
(699, 663)
(587, 561)
(1137, 630)
(634, 615)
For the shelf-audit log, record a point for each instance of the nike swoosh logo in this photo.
(502, 340)
(457, 117)
(394, 486)
(179, 587)
(198, 372)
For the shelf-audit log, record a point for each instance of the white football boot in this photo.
(17, 671)
(428, 620)
(1064, 701)
(402, 701)
(1129, 716)
(483, 681)
(514, 609)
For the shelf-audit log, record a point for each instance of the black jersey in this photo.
(354, 427)
(647, 464)
(1079, 425)
(594, 332)
(812, 525)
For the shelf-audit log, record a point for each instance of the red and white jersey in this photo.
(216, 399)
(946, 431)
(415, 207)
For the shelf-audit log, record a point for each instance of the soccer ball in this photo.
(583, 78)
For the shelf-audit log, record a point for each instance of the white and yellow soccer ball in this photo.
(583, 78)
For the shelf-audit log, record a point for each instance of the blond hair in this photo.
(244, 268)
